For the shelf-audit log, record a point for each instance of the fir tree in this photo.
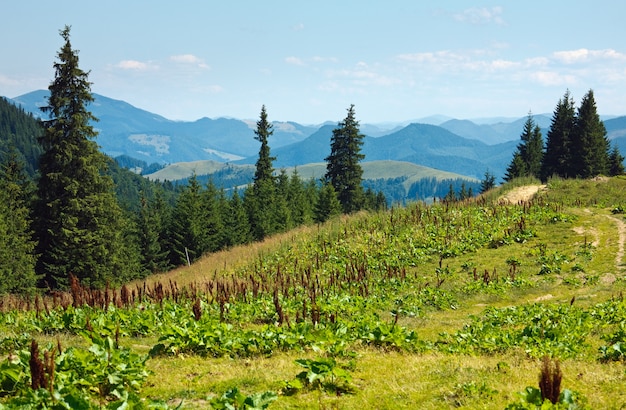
(282, 210)
(260, 200)
(516, 168)
(528, 157)
(17, 248)
(327, 204)
(150, 226)
(79, 224)
(213, 224)
(590, 148)
(187, 227)
(616, 162)
(237, 223)
(488, 182)
(451, 195)
(301, 207)
(343, 170)
(557, 159)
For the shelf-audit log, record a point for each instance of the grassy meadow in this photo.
(442, 306)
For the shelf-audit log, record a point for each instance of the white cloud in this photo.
(482, 15)
(189, 59)
(472, 60)
(553, 78)
(584, 55)
(298, 27)
(536, 61)
(503, 64)
(294, 61)
(437, 57)
(135, 65)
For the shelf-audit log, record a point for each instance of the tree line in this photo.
(66, 209)
(576, 146)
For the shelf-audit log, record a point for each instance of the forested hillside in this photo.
(83, 217)
(163, 224)
(18, 134)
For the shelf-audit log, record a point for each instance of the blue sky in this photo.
(307, 61)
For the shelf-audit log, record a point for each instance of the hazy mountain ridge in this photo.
(459, 146)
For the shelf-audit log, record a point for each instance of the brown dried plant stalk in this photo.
(550, 380)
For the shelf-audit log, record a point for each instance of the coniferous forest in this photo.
(72, 211)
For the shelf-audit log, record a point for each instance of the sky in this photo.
(308, 61)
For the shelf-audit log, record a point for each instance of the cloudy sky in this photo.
(307, 61)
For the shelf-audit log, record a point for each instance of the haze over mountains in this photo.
(468, 148)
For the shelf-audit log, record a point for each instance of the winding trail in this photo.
(523, 193)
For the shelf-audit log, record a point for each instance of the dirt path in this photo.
(523, 193)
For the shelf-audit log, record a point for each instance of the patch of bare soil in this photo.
(521, 194)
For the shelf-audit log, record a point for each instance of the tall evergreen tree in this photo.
(528, 157)
(488, 182)
(301, 207)
(264, 164)
(237, 223)
(17, 248)
(327, 204)
(187, 230)
(260, 200)
(616, 162)
(150, 226)
(590, 147)
(79, 224)
(557, 159)
(283, 207)
(516, 168)
(343, 169)
(213, 224)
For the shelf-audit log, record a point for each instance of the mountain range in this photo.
(465, 147)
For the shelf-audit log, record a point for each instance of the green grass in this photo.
(433, 271)
(371, 170)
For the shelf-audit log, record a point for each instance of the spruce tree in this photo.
(187, 226)
(616, 162)
(533, 150)
(488, 182)
(150, 226)
(327, 204)
(283, 207)
(301, 207)
(17, 248)
(343, 170)
(260, 201)
(557, 159)
(237, 223)
(529, 154)
(213, 224)
(516, 168)
(79, 224)
(590, 147)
